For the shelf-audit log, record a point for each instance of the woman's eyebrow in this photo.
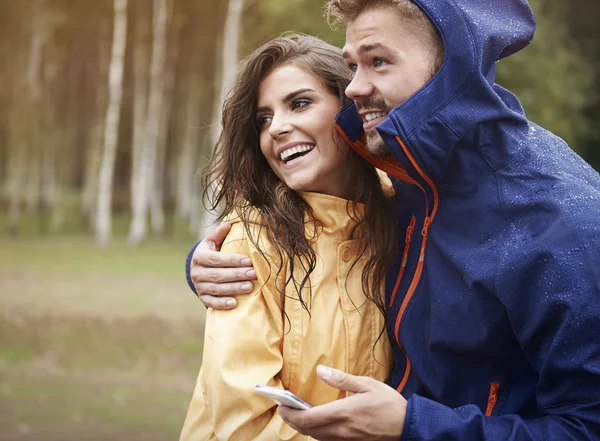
(290, 96)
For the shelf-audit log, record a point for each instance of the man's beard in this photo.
(374, 144)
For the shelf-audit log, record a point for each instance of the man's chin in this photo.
(375, 145)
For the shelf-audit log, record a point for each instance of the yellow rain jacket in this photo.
(255, 344)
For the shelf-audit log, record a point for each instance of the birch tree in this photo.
(111, 127)
(229, 59)
(25, 158)
(158, 181)
(140, 115)
(138, 228)
(96, 138)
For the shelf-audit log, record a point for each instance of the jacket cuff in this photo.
(407, 419)
(188, 262)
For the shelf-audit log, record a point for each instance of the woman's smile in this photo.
(295, 116)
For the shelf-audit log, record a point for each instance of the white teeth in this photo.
(374, 115)
(297, 149)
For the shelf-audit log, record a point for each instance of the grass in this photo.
(95, 343)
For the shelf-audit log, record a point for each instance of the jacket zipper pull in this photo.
(492, 399)
(409, 232)
(425, 229)
(424, 233)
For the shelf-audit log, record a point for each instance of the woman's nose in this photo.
(280, 127)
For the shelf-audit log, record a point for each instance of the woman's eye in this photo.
(263, 120)
(300, 103)
(378, 62)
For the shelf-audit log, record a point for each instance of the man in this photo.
(494, 303)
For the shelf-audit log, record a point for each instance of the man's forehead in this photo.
(370, 31)
(363, 47)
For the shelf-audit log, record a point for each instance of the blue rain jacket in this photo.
(494, 301)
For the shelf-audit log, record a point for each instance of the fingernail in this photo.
(230, 302)
(324, 372)
(246, 286)
(246, 261)
(251, 274)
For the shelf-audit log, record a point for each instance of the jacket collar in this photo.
(333, 214)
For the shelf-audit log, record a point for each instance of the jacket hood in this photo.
(455, 123)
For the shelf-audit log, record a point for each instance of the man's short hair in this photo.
(341, 12)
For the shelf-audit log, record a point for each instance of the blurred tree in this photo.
(270, 18)
(55, 98)
(552, 77)
(146, 167)
(111, 128)
(583, 17)
(230, 43)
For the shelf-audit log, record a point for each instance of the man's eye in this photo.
(378, 62)
(353, 67)
(303, 102)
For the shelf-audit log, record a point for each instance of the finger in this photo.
(287, 415)
(216, 259)
(214, 239)
(292, 418)
(224, 289)
(222, 275)
(305, 421)
(219, 303)
(342, 380)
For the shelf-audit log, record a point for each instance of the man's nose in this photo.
(359, 87)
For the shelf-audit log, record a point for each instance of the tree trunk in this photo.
(137, 230)
(186, 162)
(230, 46)
(111, 129)
(140, 115)
(96, 138)
(157, 213)
(34, 81)
(24, 172)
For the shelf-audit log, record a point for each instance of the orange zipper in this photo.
(409, 233)
(492, 399)
(419, 270)
(390, 166)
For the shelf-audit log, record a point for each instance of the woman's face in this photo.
(295, 114)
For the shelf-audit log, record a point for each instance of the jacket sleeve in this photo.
(549, 283)
(243, 348)
(188, 265)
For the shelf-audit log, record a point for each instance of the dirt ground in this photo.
(95, 344)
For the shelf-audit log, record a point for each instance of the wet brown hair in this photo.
(341, 12)
(239, 181)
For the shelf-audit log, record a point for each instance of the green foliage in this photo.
(270, 18)
(552, 77)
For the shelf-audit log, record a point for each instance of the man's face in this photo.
(391, 59)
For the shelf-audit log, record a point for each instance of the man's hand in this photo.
(218, 276)
(374, 412)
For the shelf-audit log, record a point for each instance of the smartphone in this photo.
(283, 397)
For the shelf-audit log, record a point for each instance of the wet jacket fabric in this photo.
(494, 301)
(255, 343)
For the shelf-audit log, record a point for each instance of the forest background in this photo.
(108, 109)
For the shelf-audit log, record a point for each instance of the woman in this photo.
(315, 220)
